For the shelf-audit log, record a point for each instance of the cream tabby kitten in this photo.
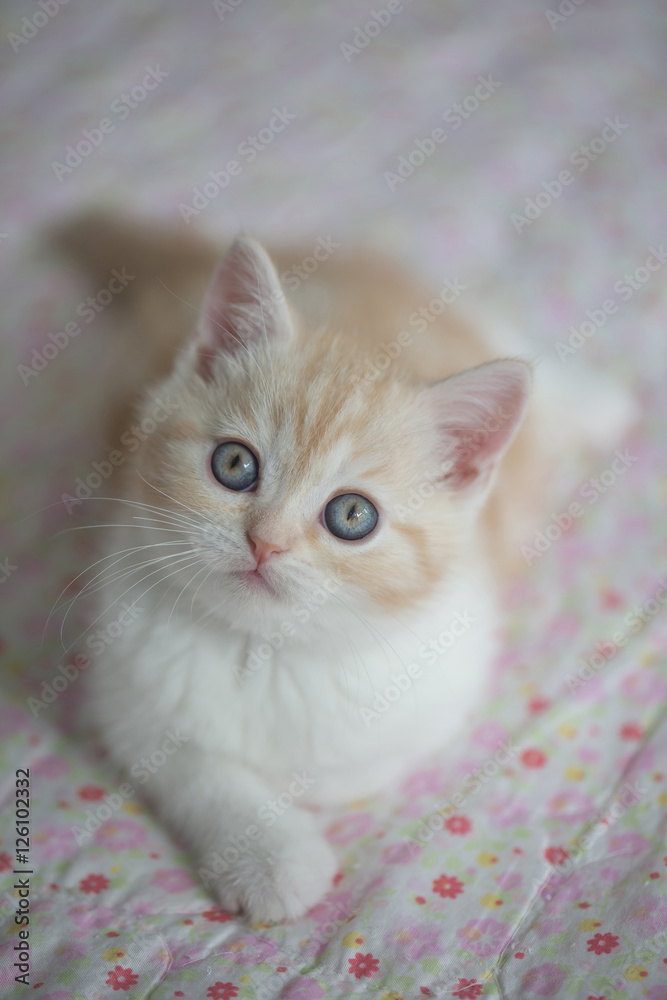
(316, 502)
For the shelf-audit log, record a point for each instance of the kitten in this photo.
(312, 517)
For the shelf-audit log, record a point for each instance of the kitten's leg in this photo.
(272, 867)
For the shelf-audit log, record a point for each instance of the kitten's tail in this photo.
(157, 274)
(159, 264)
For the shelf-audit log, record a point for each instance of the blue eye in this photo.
(235, 466)
(350, 516)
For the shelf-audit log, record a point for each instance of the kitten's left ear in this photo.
(477, 415)
(244, 302)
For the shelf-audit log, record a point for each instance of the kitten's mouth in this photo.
(257, 582)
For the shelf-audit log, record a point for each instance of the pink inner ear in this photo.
(477, 414)
(243, 302)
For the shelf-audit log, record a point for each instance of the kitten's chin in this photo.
(246, 599)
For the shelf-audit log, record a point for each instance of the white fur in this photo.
(350, 697)
(247, 735)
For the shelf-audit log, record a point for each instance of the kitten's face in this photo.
(294, 481)
(287, 444)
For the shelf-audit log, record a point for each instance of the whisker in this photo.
(119, 574)
(126, 572)
(192, 602)
(173, 499)
(136, 548)
(188, 584)
(134, 584)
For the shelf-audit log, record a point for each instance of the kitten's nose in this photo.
(262, 550)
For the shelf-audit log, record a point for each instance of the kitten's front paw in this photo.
(281, 875)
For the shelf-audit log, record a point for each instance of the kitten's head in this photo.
(293, 478)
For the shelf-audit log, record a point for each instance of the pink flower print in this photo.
(509, 811)
(657, 992)
(645, 686)
(12, 720)
(54, 843)
(334, 909)
(173, 879)
(564, 626)
(350, 827)
(628, 844)
(48, 767)
(304, 989)
(509, 881)
(426, 942)
(398, 854)
(120, 835)
(250, 950)
(544, 980)
(423, 783)
(650, 912)
(86, 919)
(570, 805)
(489, 735)
(484, 938)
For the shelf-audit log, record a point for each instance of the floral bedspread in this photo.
(520, 150)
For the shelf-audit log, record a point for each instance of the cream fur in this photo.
(351, 695)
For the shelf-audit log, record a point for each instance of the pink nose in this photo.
(262, 550)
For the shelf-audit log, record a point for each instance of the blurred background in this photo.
(518, 149)
(327, 113)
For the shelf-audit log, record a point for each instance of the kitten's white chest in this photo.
(353, 711)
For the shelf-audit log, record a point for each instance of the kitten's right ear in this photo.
(244, 302)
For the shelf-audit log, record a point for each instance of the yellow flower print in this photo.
(490, 901)
(113, 954)
(353, 939)
(635, 973)
(486, 859)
